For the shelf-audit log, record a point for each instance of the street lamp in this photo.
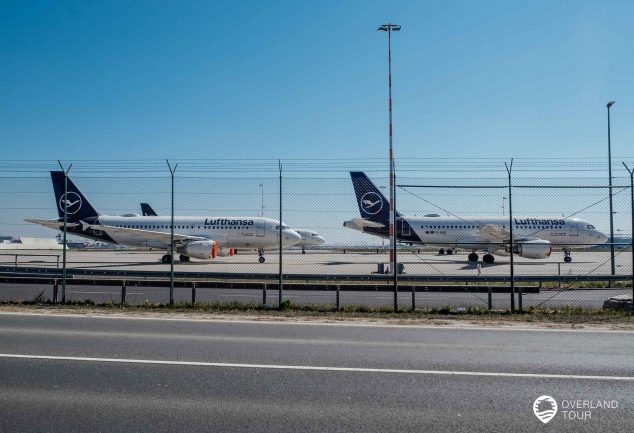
(612, 264)
(389, 28)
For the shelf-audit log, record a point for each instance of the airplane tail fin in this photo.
(373, 206)
(147, 210)
(77, 206)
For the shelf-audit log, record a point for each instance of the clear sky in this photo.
(290, 79)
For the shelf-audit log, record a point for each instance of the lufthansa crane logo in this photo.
(72, 201)
(371, 203)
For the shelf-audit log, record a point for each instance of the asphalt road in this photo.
(586, 298)
(114, 374)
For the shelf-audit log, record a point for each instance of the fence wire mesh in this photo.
(450, 210)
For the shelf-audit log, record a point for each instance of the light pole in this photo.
(612, 264)
(389, 28)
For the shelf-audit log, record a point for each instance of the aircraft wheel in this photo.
(303, 251)
(473, 257)
(567, 259)
(488, 258)
(450, 251)
(184, 258)
(441, 251)
(166, 259)
(261, 259)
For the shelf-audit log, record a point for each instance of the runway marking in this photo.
(465, 327)
(315, 368)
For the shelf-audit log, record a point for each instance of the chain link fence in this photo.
(450, 210)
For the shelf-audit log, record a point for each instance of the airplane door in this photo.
(405, 228)
(259, 229)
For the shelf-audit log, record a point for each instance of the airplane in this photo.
(309, 237)
(533, 237)
(198, 237)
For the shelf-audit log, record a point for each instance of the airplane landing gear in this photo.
(567, 257)
(449, 251)
(166, 259)
(441, 251)
(261, 259)
(488, 258)
(303, 251)
(473, 257)
(184, 258)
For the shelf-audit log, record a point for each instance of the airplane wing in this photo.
(52, 224)
(494, 234)
(143, 235)
(497, 235)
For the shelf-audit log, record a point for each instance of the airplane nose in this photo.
(291, 237)
(602, 237)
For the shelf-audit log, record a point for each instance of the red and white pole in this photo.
(393, 263)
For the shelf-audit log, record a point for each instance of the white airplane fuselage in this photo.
(230, 232)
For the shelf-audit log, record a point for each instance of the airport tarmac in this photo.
(336, 263)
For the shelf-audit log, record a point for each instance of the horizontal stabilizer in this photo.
(359, 223)
(52, 224)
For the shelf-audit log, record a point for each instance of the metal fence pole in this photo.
(264, 294)
(337, 304)
(509, 170)
(281, 275)
(65, 229)
(631, 172)
(123, 293)
(171, 250)
(193, 293)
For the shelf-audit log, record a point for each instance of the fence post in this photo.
(509, 170)
(264, 294)
(337, 304)
(281, 275)
(631, 172)
(490, 298)
(171, 250)
(123, 293)
(65, 229)
(193, 293)
(55, 291)
(413, 298)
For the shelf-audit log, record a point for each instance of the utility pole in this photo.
(389, 28)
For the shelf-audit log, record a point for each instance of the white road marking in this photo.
(315, 368)
(267, 321)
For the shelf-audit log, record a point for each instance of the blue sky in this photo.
(282, 79)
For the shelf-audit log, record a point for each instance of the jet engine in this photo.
(534, 249)
(203, 250)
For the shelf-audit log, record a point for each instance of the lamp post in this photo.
(389, 28)
(612, 264)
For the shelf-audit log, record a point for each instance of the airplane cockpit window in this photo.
(591, 227)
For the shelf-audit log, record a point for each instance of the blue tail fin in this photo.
(147, 210)
(77, 206)
(373, 206)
